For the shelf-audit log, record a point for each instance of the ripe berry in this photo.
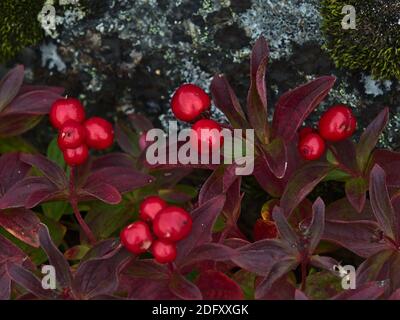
(264, 229)
(164, 251)
(311, 147)
(305, 131)
(150, 207)
(337, 123)
(63, 110)
(136, 237)
(76, 156)
(189, 101)
(71, 135)
(208, 133)
(172, 223)
(99, 133)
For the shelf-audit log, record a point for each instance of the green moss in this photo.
(19, 26)
(374, 46)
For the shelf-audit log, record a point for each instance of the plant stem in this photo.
(73, 199)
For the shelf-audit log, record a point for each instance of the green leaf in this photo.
(55, 210)
(246, 280)
(54, 153)
(356, 192)
(276, 157)
(15, 144)
(322, 285)
(219, 224)
(76, 253)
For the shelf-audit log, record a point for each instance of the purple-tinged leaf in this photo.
(183, 288)
(12, 170)
(302, 183)
(204, 218)
(356, 189)
(316, 228)
(260, 256)
(29, 281)
(121, 160)
(257, 96)
(147, 289)
(147, 269)
(323, 262)
(343, 210)
(266, 179)
(370, 137)
(390, 162)
(361, 237)
(49, 168)
(127, 140)
(345, 153)
(215, 285)
(276, 157)
(100, 276)
(209, 251)
(285, 230)
(101, 191)
(279, 269)
(10, 84)
(28, 193)
(122, 178)
(56, 258)
(294, 107)
(382, 207)
(395, 295)
(225, 99)
(218, 183)
(27, 88)
(102, 248)
(232, 207)
(300, 295)
(140, 123)
(76, 252)
(282, 289)
(22, 224)
(368, 291)
(13, 125)
(32, 103)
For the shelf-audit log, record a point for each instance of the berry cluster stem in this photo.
(73, 199)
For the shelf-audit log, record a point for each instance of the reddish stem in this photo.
(73, 199)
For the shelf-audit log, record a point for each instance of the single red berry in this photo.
(172, 223)
(76, 156)
(99, 133)
(305, 131)
(337, 123)
(311, 147)
(150, 207)
(207, 135)
(164, 251)
(189, 101)
(71, 135)
(136, 237)
(63, 110)
(264, 229)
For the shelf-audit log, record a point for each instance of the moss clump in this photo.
(374, 46)
(19, 26)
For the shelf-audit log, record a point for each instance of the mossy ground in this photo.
(374, 46)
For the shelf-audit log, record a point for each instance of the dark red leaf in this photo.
(147, 269)
(316, 228)
(12, 170)
(322, 262)
(370, 137)
(183, 288)
(27, 88)
(343, 210)
(368, 291)
(10, 85)
(101, 191)
(112, 160)
(294, 107)
(390, 162)
(356, 189)
(140, 123)
(215, 285)
(209, 251)
(382, 207)
(13, 125)
(285, 230)
(276, 157)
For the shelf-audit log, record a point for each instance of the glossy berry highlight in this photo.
(71, 135)
(150, 207)
(76, 156)
(136, 237)
(189, 101)
(207, 136)
(64, 110)
(337, 123)
(172, 223)
(311, 147)
(99, 133)
(164, 251)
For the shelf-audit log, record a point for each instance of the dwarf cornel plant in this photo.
(131, 230)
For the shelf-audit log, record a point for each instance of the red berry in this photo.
(189, 101)
(150, 207)
(264, 229)
(71, 135)
(208, 133)
(164, 251)
(305, 131)
(136, 237)
(63, 110)
(311, 147)
(172, 223)
(76, 156)
(337, 123)
(99, 133)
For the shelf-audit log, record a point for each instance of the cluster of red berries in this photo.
(160, 228)
(336, 124)
(76, 134)
(188, 103)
